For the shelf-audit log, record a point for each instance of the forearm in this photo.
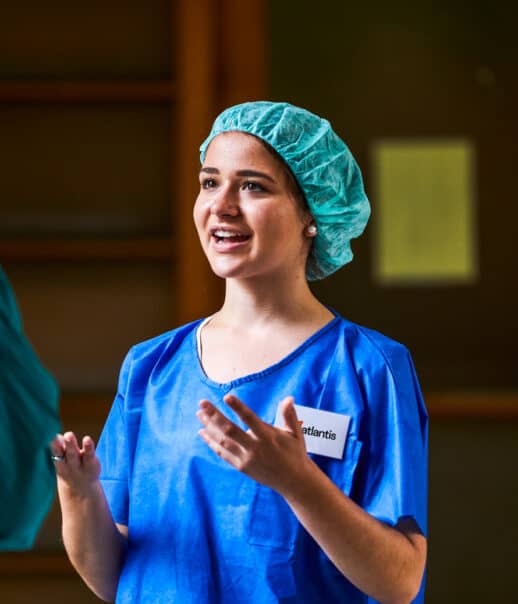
(383, 562)
(380, 560)
(93, 543)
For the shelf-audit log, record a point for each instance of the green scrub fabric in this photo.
(29, 421)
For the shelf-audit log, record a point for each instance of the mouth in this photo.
(224, 236)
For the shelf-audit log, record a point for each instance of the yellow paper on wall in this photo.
(423, 210)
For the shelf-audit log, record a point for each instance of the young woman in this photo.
(275, 451)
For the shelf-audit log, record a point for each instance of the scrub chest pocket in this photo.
(273, 524)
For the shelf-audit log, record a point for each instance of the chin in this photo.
(238, 270)
(228, 271)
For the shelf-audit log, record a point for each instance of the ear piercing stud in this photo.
(312, 229)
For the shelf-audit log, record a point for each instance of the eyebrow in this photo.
(253, 173)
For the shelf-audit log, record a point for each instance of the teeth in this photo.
(221, 233)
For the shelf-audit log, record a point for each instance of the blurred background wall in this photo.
(102, 108)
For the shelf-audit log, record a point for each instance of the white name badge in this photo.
(324, 432)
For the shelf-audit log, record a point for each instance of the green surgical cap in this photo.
(323, 166)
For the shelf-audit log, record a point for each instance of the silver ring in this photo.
(57, 457)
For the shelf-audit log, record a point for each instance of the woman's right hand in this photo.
(80, 468)
(94, 545)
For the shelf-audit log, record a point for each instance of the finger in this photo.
(256, 425)
(88, 450)
(57, 446)
(72, 452)
(220, 427)
(231, 452)
(289, 415)
(291, 421)
(57, 450)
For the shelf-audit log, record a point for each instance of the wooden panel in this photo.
(196, 70)
(82, 319)
(472, 405)
(244, 52)
(44, 590)
(86, 91)
(85, 250)
(35, 563)
(79, 170)
(60, 39)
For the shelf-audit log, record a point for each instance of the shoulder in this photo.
(143, 357)
(373, 347)
(158, 344)
(385, 374)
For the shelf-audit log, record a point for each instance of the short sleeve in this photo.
(394, 466)
(113, 452)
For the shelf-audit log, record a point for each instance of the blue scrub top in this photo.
(199, 530)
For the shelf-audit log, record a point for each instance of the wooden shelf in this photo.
(159, 91)
(472, 405)
(440, 405)
(35, 563)
(76, 407)
(77, 250)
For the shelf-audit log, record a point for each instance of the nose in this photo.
(225, 203)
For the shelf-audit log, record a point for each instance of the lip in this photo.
(225, 247)
(229, 229)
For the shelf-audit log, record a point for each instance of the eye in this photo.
(253, 186)
(208, 183)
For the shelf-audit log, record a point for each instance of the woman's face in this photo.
(248, 219)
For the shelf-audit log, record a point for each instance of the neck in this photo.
(255, 302)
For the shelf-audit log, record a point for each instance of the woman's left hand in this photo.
(275, 457)
(383, 561)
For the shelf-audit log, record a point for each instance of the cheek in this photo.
(198, 212)
(286, 223)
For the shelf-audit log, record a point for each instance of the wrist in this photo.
(303, 483)
(77, 493)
